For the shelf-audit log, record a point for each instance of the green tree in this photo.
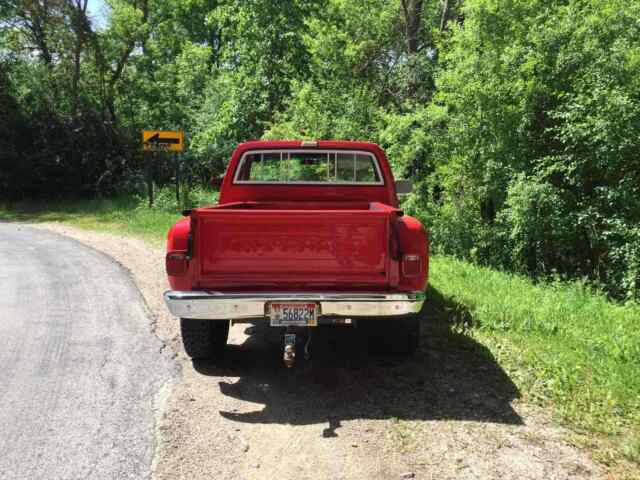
(540, 140)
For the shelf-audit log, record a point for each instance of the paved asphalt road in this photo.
(79, 364)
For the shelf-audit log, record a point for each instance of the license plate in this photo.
(293, 314)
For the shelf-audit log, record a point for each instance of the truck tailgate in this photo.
(237, 248)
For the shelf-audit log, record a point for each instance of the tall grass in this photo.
(562, 344)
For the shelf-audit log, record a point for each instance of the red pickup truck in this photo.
(305, 234)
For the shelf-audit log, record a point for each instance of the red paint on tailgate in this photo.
(253, 248)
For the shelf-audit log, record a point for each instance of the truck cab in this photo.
(305, 234)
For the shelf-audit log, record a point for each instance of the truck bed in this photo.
(285, 246)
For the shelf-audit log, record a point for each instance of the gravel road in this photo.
(82, 370)
(450, 413)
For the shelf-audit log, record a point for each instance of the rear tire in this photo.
(204, 339)
(396, 336)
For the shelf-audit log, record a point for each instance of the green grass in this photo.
(562, 344)
(127, 215)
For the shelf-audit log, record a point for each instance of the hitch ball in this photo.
(289, 355)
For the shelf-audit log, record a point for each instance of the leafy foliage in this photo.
(542, 121)
(517, 120)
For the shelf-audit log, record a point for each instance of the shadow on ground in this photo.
(451, 377)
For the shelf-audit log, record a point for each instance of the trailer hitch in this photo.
(289, 355)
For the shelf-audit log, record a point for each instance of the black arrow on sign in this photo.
(156, 140)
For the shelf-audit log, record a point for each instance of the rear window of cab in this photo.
(317, 167)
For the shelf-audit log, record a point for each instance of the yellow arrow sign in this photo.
(161, 140)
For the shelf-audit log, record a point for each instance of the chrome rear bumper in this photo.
(236, 306)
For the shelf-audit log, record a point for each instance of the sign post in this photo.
(154, 141)
(149, 175)
(178, 178)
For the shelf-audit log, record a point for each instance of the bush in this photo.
(532, 141)
(165, 199)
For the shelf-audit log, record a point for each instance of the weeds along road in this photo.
(81, 366)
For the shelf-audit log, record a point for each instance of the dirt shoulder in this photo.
(451, 412)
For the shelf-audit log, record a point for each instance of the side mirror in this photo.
(216, 183)
(404, 187)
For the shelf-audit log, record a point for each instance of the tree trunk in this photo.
(412, 10)
(445, 15)
(78, 23)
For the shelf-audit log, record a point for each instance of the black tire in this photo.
(204, 339)
(395, 336)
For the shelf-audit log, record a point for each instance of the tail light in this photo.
(177, 263)
(411, 265)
